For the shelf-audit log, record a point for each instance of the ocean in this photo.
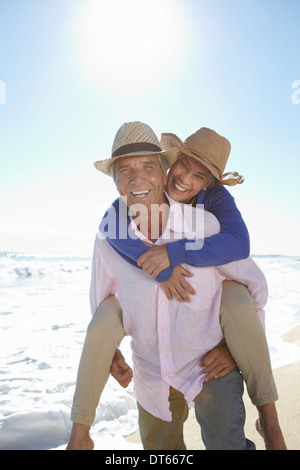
(44, 313)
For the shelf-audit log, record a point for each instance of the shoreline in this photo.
(287, 379)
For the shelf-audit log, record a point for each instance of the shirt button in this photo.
(163, 302)
(167, 377)
(166, 356)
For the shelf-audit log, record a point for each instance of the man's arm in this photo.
(120, 370)
(102, 285)
(102, 280)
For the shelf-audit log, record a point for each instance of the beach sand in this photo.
(288, 406)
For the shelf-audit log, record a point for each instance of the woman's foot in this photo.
(80, 438)
(267, 425)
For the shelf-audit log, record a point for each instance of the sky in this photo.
(73, 71)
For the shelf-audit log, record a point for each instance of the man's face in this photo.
(186, 178)
(140, 179)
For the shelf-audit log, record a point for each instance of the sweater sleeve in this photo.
(230, 244)
(115, 228)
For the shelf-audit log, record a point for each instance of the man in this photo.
(166, 346)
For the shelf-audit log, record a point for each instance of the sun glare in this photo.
(130, 45)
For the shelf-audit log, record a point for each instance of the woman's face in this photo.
(186, 178)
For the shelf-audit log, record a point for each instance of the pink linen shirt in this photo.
(169, 338)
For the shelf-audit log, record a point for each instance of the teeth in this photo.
(140, 193)
(179, 187)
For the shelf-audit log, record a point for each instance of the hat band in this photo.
(136, 147)
(207, 161)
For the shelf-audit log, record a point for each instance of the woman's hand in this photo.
(177, 286)
(154, 260)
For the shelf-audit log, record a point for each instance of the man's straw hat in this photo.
(133, 139)
(210, 148)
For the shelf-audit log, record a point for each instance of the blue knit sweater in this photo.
(230, 244)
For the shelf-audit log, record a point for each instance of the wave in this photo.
(40, 430)
(31, 265)
(37, 256)
(277, 256)
(35, 430)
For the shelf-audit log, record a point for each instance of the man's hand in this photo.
(217, 363)
(177, 286)
(120, 370)
(154, 260)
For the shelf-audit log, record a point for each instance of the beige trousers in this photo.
(243, 333)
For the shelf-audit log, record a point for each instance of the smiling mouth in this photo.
(140, 194)
(180, 188)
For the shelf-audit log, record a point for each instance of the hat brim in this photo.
(170, 154)
(229, 179)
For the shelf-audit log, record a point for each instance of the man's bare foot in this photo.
(80, 438)
(267, 425)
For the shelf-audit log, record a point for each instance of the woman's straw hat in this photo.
(210, 148)
(132, 139)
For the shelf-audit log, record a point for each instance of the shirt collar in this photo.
(175, 224)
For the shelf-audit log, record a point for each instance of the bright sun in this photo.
(130, 45)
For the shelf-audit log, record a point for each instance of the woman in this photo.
(198, 178)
